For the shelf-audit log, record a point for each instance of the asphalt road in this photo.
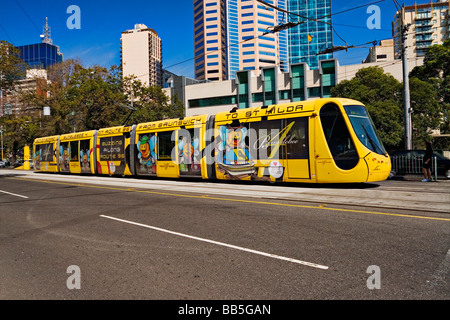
(74, 241)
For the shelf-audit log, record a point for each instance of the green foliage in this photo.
(83, 99)
(426, 114)
(16, 130)
(153, 104)
(435, 72)
(80, 99)
(12, 68)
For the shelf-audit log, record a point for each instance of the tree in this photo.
(151, 103)
(15, 130)
(12, 68)
(92, 98)
(18, 132)
(435, 71)
(53, 94)
(381, 94)
(427, 112)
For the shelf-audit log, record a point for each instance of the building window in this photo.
(215, 101)
(265, 15)
(243, 89)
(298, 82)
(269, 86)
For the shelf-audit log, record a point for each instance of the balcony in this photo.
(423, 23)
(423, 45)
(424, 31)
(424, 16)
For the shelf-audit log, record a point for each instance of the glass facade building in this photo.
(40, 55)
(234, 35)
(233, 38)
(210, 40)
(310, 37)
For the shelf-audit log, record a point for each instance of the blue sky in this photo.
(102, 21)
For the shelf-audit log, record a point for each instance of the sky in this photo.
(97, 40)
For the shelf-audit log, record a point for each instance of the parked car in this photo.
(2, 164)
(410, 161)
(18, 163)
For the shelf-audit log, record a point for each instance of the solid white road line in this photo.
(13, 194)
(309, 264)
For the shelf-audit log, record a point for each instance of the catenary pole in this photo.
(406, 94)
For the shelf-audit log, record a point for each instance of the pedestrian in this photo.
(427, 163)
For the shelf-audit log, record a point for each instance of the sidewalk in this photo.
(408, 194)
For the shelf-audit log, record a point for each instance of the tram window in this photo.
(280, 139)
(296, 139)
(64, 156)
(73, 150)
(264, 139)
(165, 146)
(45, 152)
(338, 137)
(84, 152)
(188, 151)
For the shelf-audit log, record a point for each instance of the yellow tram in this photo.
(330, 140)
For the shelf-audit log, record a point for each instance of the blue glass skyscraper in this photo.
(283, 42)
(233, 38)
(41, 55)
(310, 37)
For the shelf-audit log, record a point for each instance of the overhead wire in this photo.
(6, 33)
(282, 10)
(28, 16)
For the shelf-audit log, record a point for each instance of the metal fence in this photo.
(412, 165)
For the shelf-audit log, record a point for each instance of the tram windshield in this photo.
(364, 128)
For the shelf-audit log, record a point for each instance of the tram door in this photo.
(296, 144)
(189, 153)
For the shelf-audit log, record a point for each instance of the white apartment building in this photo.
(141, 55)
(429, 24)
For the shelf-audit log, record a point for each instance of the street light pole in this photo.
(406, 94)
(1, 134)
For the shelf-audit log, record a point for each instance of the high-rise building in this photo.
(313, 34)
(141, 55)
(429, 24)
(41, 55)
(233, 35)
(210, 40)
